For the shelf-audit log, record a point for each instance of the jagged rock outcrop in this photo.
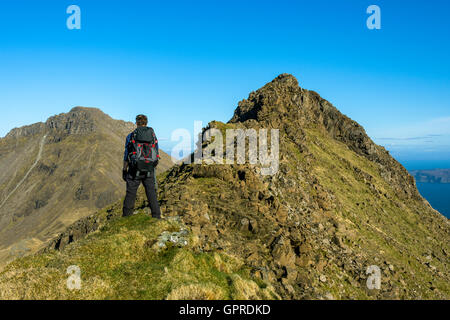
(26, 131)
(78, 121)
(296, 107)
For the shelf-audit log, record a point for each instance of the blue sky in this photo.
(180, 61)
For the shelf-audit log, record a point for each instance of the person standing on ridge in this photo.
(140, 159)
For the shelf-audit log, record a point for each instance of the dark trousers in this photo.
(133, 184)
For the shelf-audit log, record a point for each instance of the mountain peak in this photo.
(283, 105)
(286, 79)
(77, 120)
(80, 120)
(81, 109)
(273, 98)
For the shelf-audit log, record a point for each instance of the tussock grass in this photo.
(117, 263)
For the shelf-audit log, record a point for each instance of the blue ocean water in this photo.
(437, 194)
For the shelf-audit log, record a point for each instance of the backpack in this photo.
(143, 155)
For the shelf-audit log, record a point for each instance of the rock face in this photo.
(57, 172)
(26, 131)
(278, 101)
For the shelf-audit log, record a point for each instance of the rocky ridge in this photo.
(338, 205)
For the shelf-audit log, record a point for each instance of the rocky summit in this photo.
(57, 172)
(338, 208)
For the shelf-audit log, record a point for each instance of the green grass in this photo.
(377, 219)
(117, 263)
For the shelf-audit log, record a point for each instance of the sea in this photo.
(437, 194)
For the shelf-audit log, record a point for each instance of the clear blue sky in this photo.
(180, 61)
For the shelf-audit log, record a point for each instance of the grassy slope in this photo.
(390, 230)
(118, 262)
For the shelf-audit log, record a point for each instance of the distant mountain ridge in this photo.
(78, 120)
(432, 176)
(58, 171)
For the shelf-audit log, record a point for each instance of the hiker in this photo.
(140, 159)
